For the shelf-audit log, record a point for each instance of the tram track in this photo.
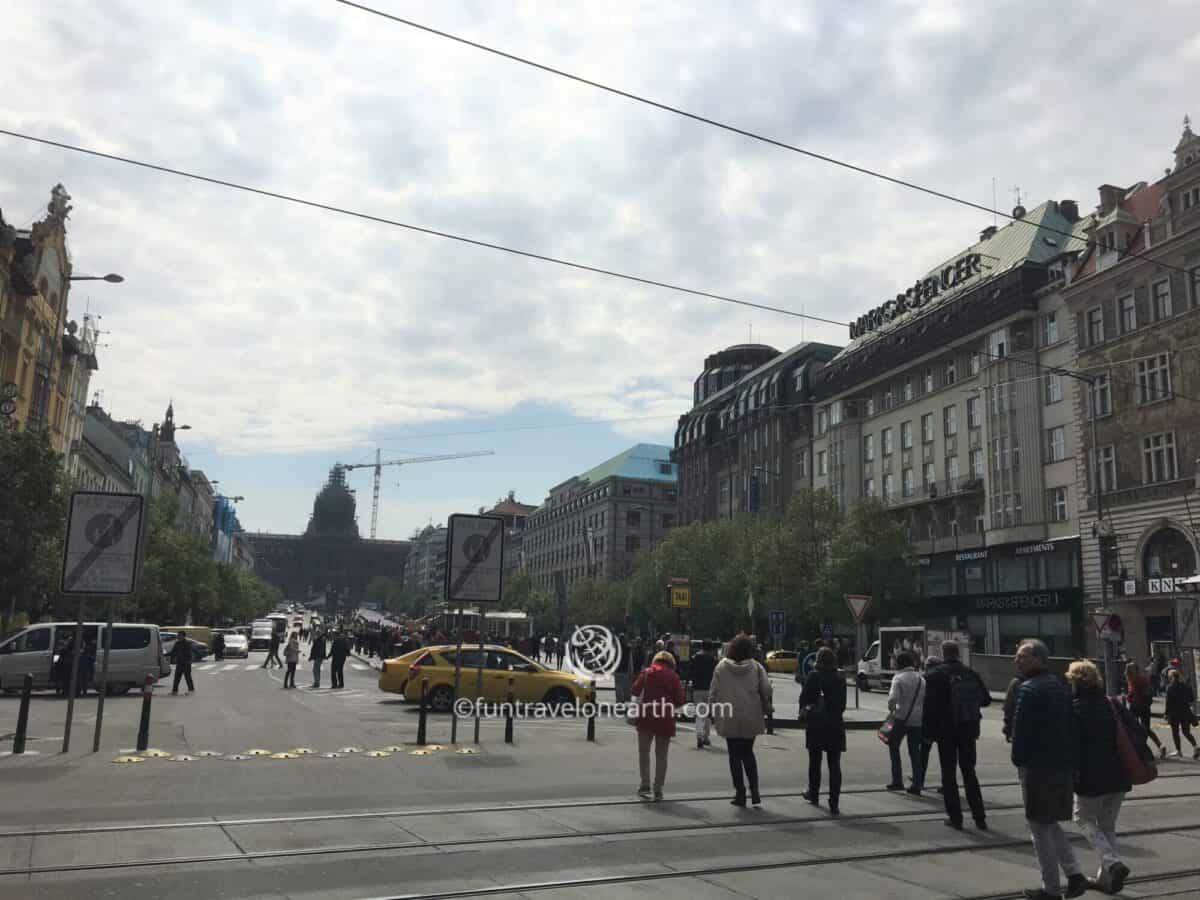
(540, 806)
(575, 835)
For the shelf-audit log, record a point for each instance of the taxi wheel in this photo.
(441, 698)
(559, 700)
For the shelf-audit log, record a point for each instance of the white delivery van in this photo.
(879, 663)
(136, 652)
(260, 634)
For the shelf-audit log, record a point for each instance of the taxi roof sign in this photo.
(101, 553)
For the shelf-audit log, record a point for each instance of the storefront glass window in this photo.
(938, 579)
(972, 578)
(1053, 628)
(977, 628)
(1012, 574)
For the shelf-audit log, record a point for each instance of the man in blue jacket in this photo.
(1043, 752)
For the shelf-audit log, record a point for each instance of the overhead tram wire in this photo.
(420, 229)
(716, 123)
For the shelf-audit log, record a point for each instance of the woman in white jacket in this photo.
(740, 699)
(906, 701)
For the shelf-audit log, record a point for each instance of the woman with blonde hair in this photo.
(661, 692)
(1101, 781)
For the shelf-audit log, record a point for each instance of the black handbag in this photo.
(891, 732)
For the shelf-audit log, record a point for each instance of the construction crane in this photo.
(380, 463)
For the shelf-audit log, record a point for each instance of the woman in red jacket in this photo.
(660, 691)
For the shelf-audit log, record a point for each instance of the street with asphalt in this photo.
(261, 791)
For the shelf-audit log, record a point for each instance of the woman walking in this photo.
(823, 702)
(291, 656)
(906, 702)
(740, 697)
(1139, 695)
(1179, 711)
(1101, 781)
(660, 691)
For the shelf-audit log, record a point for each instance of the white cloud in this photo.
(270, 323)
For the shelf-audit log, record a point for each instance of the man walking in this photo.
(273, 652)
(1043, 751)
(317, 654)
(337, 661)
(953, 697)
(181, 658)
(701, 672)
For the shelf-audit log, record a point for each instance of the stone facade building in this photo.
(745, 443)
(515, 515)
(330, 559)
(1135, 309)
(593, 525)
(425, 573)
(943, 407)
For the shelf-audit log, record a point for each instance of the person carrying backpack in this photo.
(954, 695)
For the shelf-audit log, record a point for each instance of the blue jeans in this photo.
(913, 737)
(317, 672)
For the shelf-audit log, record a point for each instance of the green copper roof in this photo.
(644, 461)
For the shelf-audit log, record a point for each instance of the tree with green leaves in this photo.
(34, 495)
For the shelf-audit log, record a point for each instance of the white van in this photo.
(136, 653)
(260, 634)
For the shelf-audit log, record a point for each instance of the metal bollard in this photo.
(23, 715)
(421, 715)
(508, 715)
(143, 739)
(591, 725)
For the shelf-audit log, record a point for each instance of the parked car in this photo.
(784, 661)
(136, 651)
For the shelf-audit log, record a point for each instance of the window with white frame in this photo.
(907, 485)
(973, 412)
(928, 381)
(889, 486)
(1052, 388)
(930, 474)
(889, 399)
(976, 362)
(1158, 457)
(1100, 396)
(950, 421)
(1056, 504)
(835, 412)
(906, 435)
(975, 461)
(869, 448)
(1105, 463)
(906, 390)
(998, 343)
(952, 471)
(1049, 329)
(927, 428)
(822, 421)
(1154, 378)
(802, 463)
(1126, 314)
(869, 406)
(1056, 444)
(869, 487)
(822, 463)
(951, 372)
(1095, 325)
(885, 441)
(1160, 299)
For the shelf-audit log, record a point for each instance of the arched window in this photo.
(1169, 554)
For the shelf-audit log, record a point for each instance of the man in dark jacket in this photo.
(273, 651)
(181, 659)
(1043, 751)
(317, 654)
(337, 661)
(954, 695)
(701, 672)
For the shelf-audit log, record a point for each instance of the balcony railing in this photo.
(925, 493)
(1144, 493)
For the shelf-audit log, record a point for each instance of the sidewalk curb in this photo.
(376, 665)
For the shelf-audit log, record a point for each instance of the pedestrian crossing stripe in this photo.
(252, 667)
(230, 666)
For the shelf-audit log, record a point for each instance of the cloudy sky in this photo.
(291, 338)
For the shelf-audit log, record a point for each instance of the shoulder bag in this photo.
(891, 732)
(1139, 769)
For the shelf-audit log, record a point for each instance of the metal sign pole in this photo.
(457, 679)
(102, 687)
(479, 676)
(76, 653)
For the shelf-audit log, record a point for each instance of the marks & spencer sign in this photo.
(926, 289)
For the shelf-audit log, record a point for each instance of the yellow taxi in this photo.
(532, 682)
(784, 661)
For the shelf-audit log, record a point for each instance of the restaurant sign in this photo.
(922, 292)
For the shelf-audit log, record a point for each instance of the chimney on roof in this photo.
(987, 233)
(1110, 194)
(1069, 210)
